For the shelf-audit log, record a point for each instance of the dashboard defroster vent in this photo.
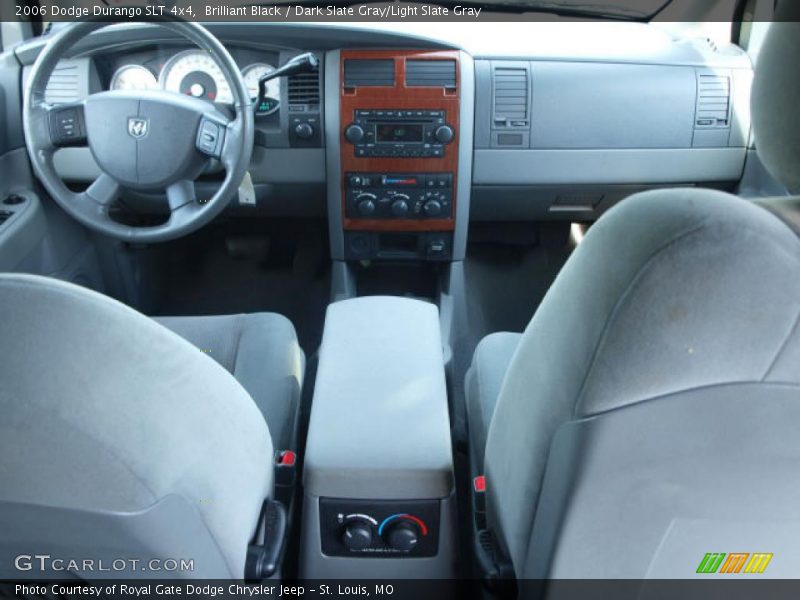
(713, 100)
(431, 73)
(510, 96)
(63, 85)
(368, 72)
(303, 89)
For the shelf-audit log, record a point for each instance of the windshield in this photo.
(616, 9)
(630, 9)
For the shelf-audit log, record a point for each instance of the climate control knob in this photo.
(304, 131)
(357, 535)
(366, 205)
(432, 208)
(354, 133)
(400, 207)
(402, 536)
(444, 134)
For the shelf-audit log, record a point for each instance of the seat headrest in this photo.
(776, 90)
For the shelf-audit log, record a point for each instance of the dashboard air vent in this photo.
(303, 89)
(511, 96)
(363, 73)
(63, 84)
(713, 100)
(431, 73)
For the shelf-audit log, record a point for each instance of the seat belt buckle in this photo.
(479, 493)
(285, 467)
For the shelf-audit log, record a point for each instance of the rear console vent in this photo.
(63, 85)
(364, 73)
(431, 73)
(303, 89)
(713, 100)
(510, 98)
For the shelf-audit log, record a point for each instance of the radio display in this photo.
(399, 132)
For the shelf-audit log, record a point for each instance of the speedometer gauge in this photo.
(195, 73)
(133, 77)
(251, 76)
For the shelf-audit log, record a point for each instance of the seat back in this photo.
(120, 439)
(651, 406)
(647, 491)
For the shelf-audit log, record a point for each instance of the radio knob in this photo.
(400, 208)
(444, 134)
(357, 535)
(432, 208)
(354, 133)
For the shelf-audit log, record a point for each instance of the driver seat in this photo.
(121, 439)
(261, 351)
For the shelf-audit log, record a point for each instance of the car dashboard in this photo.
(401, 140)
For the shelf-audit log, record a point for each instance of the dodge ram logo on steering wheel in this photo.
(137, 128)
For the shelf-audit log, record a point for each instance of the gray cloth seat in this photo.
(482, 386)
(121, 439)
(651, 405)
(261, 351)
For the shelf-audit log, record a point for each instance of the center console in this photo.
(399, 159)
(378, 474)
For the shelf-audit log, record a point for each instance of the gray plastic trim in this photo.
(333, 167)
(27, 226)
(629, 166)
(465, 152)
(268, 165)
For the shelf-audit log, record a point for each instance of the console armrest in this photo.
(379, 426)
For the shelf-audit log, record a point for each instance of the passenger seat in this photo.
(483, 382)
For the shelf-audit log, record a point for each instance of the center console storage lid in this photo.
(379, 425)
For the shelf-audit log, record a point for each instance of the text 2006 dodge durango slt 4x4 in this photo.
(492, 304)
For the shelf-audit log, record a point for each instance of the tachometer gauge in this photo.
(195, 73)
(133, 77)
(251, 76)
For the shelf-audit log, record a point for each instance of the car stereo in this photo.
(399, 133)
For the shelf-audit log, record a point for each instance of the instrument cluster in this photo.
(194, 73)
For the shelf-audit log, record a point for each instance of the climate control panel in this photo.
(377, 528)
(399, 196)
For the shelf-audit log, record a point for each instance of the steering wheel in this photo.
(152, 141)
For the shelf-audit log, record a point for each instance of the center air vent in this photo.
(713, 100)
(303, 89)
(363, 73)
(510, 97)
(431, 73)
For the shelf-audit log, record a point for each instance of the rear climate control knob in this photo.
(354, 133)
(402, 536)
(357, 535)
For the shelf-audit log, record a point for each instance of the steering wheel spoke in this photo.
(180, 194)
(66, 124)
(104, 190)
(212, 134)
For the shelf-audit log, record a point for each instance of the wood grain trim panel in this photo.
(399, 96)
